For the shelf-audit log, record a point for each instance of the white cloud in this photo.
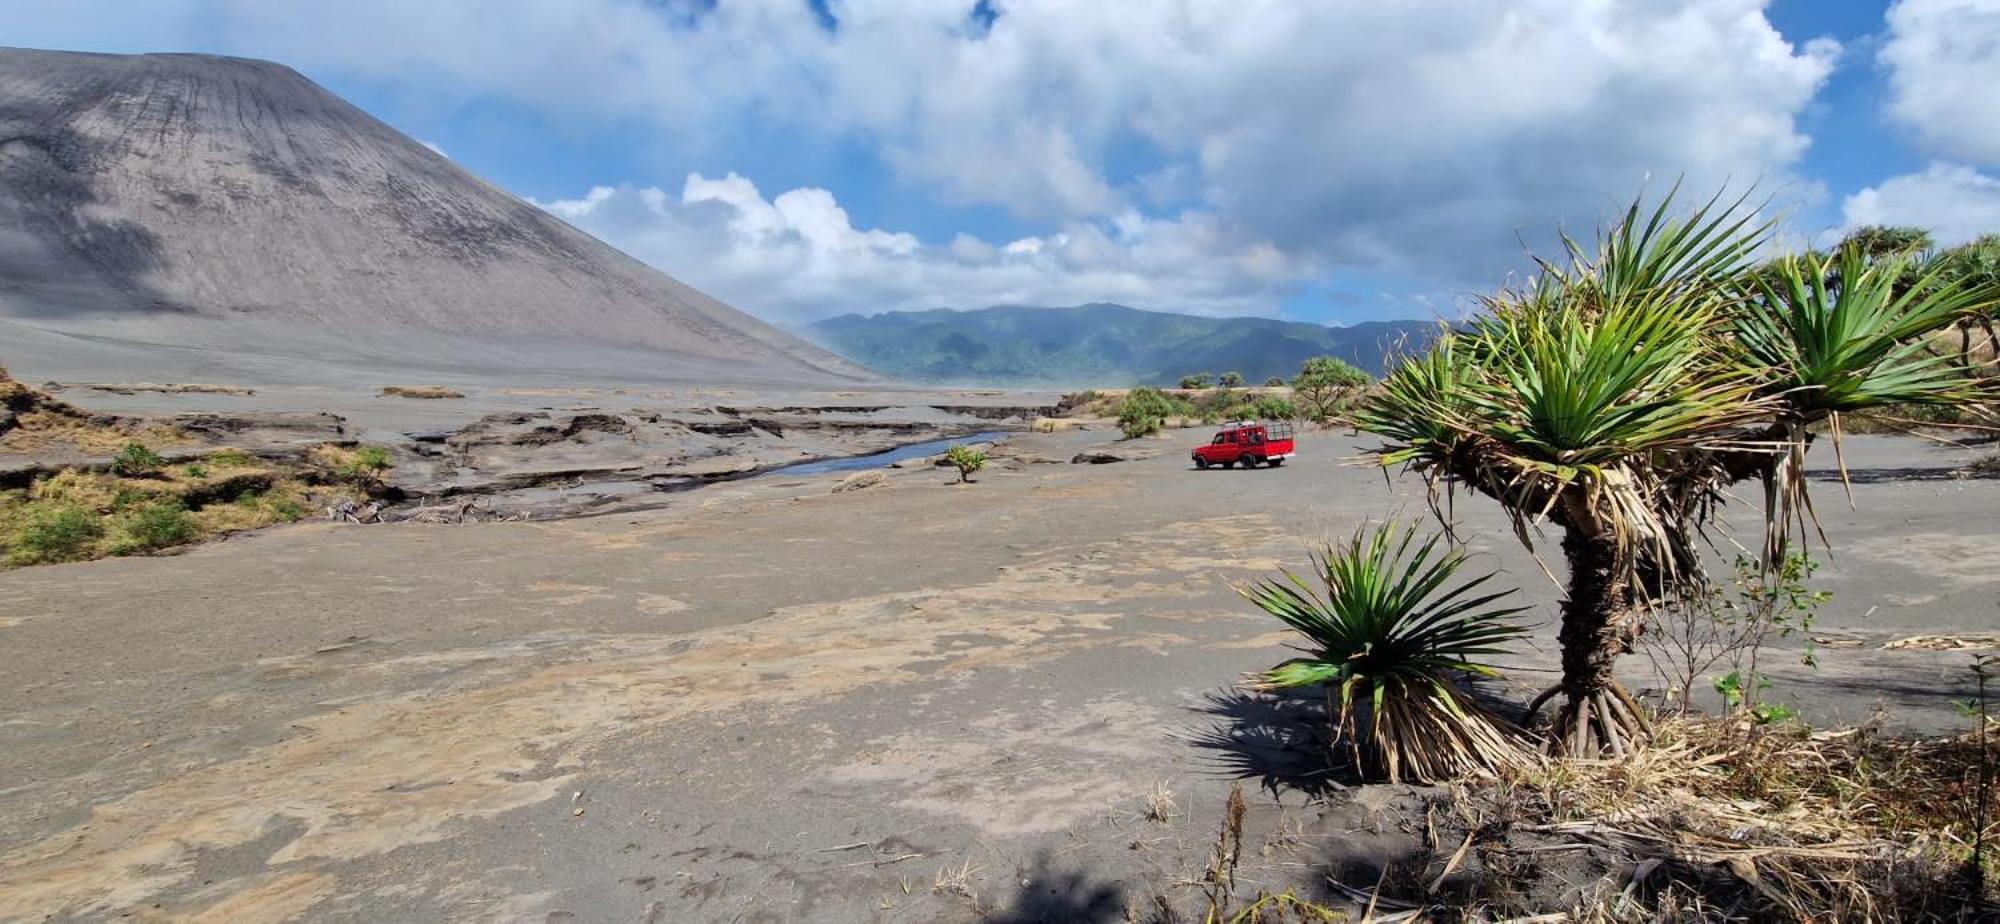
(1956, 203)
(798, 256)
(1415, 138)
(1943, 59)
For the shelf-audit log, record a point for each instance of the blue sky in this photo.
(1333, 162)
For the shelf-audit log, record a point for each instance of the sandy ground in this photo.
(771, 702)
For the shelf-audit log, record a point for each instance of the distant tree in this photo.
(967, 460)
(1275, 381)
(1878, 241)
(1231, 380)
(1197, 380)
(1322, 382)
(1975, 265)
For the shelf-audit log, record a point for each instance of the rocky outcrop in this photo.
(1105, 455)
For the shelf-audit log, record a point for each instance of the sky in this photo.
(1334, 161)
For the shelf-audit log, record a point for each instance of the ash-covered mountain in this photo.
(1103, 345)
(179, 208)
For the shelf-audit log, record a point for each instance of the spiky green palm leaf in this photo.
(1387, 627)
(1845, 334)
(1413, 406)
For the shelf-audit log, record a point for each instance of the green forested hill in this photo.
(1100, 345)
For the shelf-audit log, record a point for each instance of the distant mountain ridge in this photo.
(1101, 344)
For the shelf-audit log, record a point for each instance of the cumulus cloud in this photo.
(798, 256)
(1413, 138)
(1956, 203)
(1943, 62)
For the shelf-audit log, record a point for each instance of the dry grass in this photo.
(1780, 823)
(426, 392)
(41, 424)
(1160, 805)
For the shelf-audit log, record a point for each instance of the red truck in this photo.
(1247, 443)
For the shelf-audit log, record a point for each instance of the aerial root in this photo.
(1602, 723)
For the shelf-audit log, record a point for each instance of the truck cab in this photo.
(1247, 443)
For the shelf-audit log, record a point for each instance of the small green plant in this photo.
(1197, 380)
(193, 470)
(231, 458)
(1231, 380)
(287, 509)
(157, 525)
(1391, 633)
(135, 459)
(967, 460)
(368, 463)
(62, 532)
(1737, 694)
(1276, 381)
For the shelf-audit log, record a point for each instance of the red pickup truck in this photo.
(1247, 443)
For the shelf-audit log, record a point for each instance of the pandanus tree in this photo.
(1616, 395)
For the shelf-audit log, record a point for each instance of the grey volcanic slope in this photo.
(146, 198)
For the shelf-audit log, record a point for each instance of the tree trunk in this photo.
(1598, 717)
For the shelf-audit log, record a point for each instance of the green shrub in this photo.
(155, 526)
(1197, 380)
(127, 498)
(195, 471)
(1276, 381)
(1273, 407)
(1231, 380)
(967, 460)
(1145, 412)
(62, 532)
(136, 459)
(231, 458)
(368, 462)
(287, 509)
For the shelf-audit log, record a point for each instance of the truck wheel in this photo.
(1249, 461)
(1201, 463)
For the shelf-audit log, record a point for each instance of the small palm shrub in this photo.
(53, 533)
(136, 459)
(967, 460)
(158, 525)
(1390, 636)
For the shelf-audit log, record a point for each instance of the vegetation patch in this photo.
(141, 505)
(31, 421)
(423, 392)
